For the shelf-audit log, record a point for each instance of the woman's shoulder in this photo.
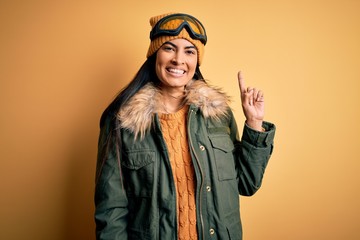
(211, 100)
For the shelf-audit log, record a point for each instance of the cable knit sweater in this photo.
(174, 131)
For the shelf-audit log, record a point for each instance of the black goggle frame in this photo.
(157, 31)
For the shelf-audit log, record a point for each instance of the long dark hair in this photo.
(109, 123)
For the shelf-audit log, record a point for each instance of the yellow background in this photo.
(62, 62)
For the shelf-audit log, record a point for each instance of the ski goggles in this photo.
(173, 24)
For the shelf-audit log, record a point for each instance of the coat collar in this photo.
(138, 113)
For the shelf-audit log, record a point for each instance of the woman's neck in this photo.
(173, 100)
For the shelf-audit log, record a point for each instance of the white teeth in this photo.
(178, 71)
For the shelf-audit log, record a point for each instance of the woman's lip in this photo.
(175, 70)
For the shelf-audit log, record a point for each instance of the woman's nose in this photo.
(178, 59)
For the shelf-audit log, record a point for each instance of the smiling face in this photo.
(176, 63)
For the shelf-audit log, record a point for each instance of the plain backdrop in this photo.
(62, 62)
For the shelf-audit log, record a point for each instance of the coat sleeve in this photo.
(252, 154)
(110, 197)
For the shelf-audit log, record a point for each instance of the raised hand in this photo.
(253, 105)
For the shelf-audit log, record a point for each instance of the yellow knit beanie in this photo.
(159, 41)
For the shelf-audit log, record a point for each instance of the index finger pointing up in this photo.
(241, 82)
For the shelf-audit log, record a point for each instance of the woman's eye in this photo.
(166, 48)
(190, 52)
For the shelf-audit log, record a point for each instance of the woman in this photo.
(170, 163)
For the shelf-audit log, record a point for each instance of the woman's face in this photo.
(176, 62)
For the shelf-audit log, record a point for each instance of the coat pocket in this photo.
(223, 151)
(138, 170)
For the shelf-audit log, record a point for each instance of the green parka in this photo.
(135, 196)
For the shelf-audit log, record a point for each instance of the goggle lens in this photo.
(174, 22)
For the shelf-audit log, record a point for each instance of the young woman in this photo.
(170, 162)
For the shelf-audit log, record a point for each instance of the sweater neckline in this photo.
(176, 115)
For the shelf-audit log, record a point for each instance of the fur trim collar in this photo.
(138, 113)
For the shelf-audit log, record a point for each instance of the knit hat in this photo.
(156, 43)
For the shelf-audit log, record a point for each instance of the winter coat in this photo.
(135, 195)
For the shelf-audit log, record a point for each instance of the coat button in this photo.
(202, 148)
(208, 188)
(212, 231)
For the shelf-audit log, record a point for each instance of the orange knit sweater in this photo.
(174, 131)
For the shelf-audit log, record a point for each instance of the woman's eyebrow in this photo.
(175, 46)
(170, 43)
